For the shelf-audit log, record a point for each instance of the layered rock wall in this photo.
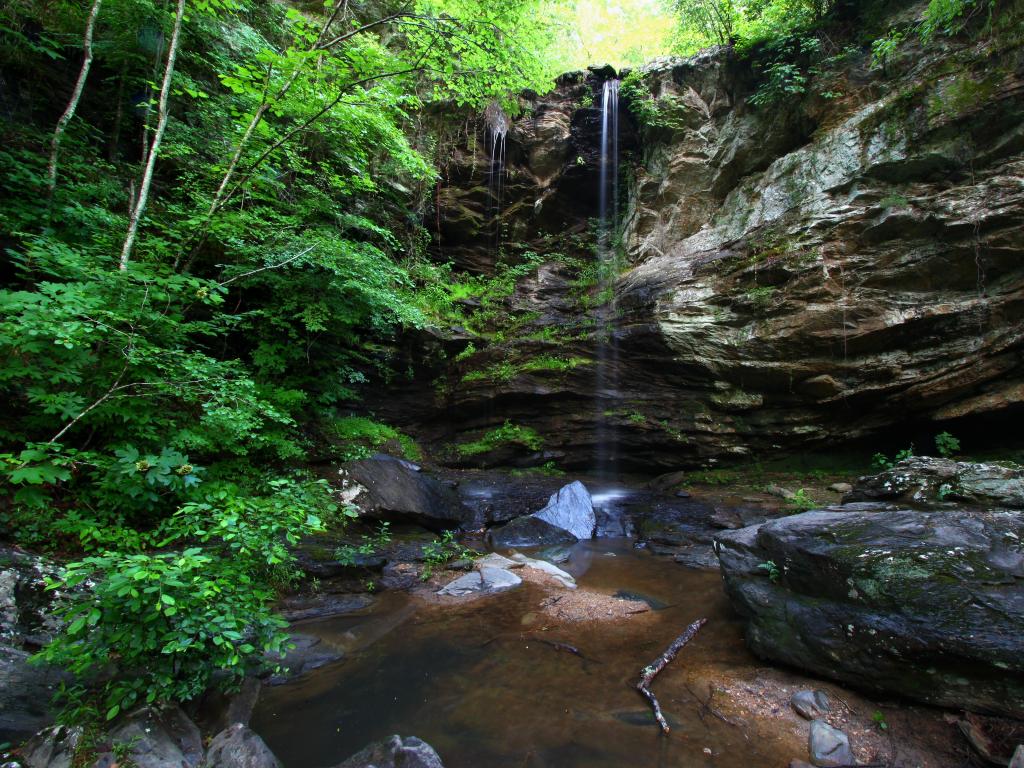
(797, 273)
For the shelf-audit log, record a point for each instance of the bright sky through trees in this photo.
(617, 32)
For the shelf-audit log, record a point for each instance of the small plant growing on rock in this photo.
(371, 544)
(879, 720)
(801, 502)
(441, 551)
(946, 445)
(772, 570)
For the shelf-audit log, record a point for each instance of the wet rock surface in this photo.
(386, 488)
(396, 752)
(925, 479)
(926, 605)
(237, 746)
(26, 623)
(485, 581)
(798, 275)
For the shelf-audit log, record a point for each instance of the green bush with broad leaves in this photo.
(160, 624)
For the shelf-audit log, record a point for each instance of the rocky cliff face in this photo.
(798, 273)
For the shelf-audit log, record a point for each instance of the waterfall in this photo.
(497, 128)
(606, 390)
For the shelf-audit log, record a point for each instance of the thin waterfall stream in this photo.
(497, 129)
(606, 386)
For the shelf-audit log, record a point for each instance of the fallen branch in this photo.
(649, 672)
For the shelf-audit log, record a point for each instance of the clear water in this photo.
(474, 681)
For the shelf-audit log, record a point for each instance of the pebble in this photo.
(810, 705)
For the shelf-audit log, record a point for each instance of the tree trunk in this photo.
(76, 96)
(139, 206)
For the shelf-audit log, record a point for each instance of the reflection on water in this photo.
(474, 681)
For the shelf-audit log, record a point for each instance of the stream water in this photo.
(476, 681)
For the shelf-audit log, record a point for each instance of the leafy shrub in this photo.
(946, 444)
(801, 502)
(441, 551)
(165, 625)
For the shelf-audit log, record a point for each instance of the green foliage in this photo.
(159, 625)
(712, 477)
(882, 463)
(879, 720)
(361, 436)
(505, 434)
(946, 444)
(440, 551)
(948, 17)
(771, 570)
(506, 370)
(883, 49)
(801, 502)
(369, 545)
(155, 412)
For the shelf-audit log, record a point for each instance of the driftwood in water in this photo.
(649, 672)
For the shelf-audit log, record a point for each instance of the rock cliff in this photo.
(796, 273)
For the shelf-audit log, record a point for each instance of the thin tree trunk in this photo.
(114, 146)
(257, 118)
(161, 124)
(76, 96)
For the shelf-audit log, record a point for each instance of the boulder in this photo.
(52, 748)
(927, 605)
(307, 653)
(829, 747)
(1017, 761)
(927, 479)
(528, 531)
(237, 746)
(389, 488)
(160, 738)
(571, 509)
(396, 752)
(485, 581)
(25, 694)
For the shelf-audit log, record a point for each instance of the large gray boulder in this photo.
(237, 746)
(928, 605)
(385, 487)
(571, 509)
(927, 479)
(567, 517)
(395, 752)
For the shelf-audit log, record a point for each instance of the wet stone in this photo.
(810, 705)
(237, 746)
(829, 747)
(485, 581)
(396, 752)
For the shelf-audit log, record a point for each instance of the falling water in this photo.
(497, 129)
(606, 391)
